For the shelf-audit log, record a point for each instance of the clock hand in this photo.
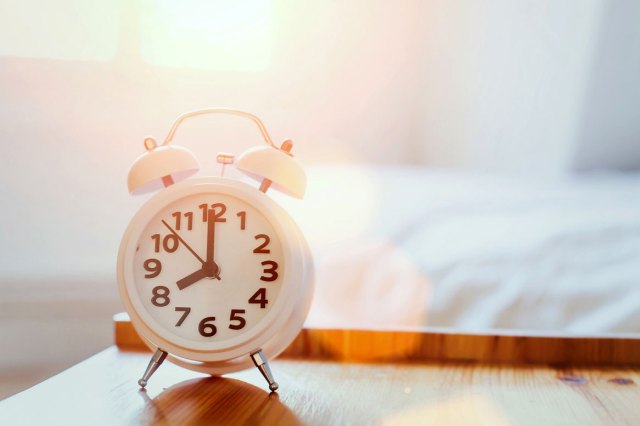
(211, 234)
(183, 241)
(191, 279)
(210, 266)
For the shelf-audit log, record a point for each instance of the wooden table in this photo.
(334, 389)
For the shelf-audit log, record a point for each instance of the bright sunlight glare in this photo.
(214, 34)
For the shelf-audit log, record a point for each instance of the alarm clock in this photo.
(215, 275)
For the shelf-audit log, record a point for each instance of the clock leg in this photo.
(262, 363)
(154, 363)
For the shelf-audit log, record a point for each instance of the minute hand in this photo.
(211, 235)
(183, 242)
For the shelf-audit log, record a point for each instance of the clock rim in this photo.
(273, 321)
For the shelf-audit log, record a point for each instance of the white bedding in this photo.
(412, 246)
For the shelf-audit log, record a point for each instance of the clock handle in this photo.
(156, 360)
(227, 111)
(262, 363)
(270, 165)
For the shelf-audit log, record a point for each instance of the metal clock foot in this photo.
(262, 363)
(154, 363)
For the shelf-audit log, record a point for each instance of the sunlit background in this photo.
(471, 164)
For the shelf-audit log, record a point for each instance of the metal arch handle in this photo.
(228, 111)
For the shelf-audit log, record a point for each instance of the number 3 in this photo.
(272, 271)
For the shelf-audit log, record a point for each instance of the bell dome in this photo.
(285, 173)
(159, 167)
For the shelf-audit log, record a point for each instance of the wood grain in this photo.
(103, 390)
(442, 345)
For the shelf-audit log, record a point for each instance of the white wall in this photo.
(609, 136)
(506, 82)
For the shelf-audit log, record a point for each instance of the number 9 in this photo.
(153, 266)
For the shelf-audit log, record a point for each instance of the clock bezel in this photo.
(246, 342)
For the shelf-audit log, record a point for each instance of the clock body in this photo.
(257, 296)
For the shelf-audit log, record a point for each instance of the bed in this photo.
(409, 246)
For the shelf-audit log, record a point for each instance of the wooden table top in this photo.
(103, 390)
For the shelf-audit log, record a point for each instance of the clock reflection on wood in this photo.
(214, 401)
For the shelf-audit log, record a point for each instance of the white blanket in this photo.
(398, 247)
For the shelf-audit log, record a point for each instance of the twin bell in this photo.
(165, 164)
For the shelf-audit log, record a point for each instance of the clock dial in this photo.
(208, 267)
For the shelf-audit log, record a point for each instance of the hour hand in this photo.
(191, 279)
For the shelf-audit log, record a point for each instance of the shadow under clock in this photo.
(215, 400)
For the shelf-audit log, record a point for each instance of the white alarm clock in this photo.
(214, 274)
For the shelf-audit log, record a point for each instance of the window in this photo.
(213, 34)
(216, 34)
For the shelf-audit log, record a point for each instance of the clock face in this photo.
(207, 268)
